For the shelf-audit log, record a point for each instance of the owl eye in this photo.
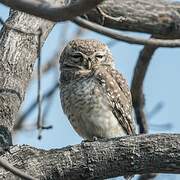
(99, 56)
(76, 57)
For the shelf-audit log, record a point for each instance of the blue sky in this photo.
(161, 85)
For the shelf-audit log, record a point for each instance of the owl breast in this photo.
(88, 109)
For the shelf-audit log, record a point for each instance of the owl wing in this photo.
(119, 96)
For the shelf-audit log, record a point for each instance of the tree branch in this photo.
(100, 159)
(49, 11)
(156, 17)
(140, 71)
(20, 120)
(18, 53)
(119, 36)
(14, 170)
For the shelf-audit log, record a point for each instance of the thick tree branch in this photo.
(100, 159)
(156, 17)
(47, 10)
(18, 53)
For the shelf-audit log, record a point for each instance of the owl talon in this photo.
(89, 140)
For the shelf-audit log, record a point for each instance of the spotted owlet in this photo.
(94, 95)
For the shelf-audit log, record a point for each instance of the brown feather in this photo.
(119, 96)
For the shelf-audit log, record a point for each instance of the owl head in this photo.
(85, 55)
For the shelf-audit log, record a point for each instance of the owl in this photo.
(94, 95)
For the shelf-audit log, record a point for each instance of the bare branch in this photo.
(18, 52)
(118, 36)
(137, 86)
(20, 120)
(49, 11)
(158, 17)
(6, 165)
(39, 99)
(156, 109)
(157, 153)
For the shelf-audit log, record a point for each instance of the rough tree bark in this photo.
(51, 11)
(157, 17)
(140, 154)
(18, 53)
(100, 159)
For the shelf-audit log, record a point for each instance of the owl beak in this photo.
(89, 64)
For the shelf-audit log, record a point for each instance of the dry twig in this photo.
(6, 165)
(137, 85)
(39, 120)
(19, 122)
